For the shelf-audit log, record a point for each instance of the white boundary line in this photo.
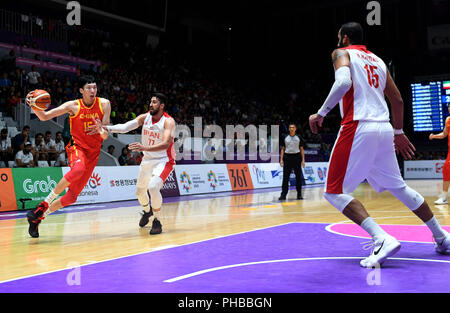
(285, 260)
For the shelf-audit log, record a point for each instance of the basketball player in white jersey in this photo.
(366, 144)
(158, 129)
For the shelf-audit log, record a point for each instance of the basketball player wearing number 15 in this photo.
(366, 144)
(83, 149)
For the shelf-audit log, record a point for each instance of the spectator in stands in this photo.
(6, 151)
(5, 81)
(32, 77)
(50, 146)
(125, 158)
(60, 148)
(39, 150)
(13, 102)
(24, 157)
(111, 149)
(18, 141)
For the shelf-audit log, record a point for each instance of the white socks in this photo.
(435, 228)
(374, 230)
(51, 197)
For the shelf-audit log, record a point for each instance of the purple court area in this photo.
(290, 258)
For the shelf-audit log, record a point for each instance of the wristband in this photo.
(398, 132)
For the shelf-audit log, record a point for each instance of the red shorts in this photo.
(82, 164)
(446, 170)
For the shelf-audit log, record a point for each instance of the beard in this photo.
(154, 112)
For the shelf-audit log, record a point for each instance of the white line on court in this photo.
(285, 260)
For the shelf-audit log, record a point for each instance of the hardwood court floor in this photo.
(93, 233)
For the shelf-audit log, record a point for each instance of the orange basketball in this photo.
(41, 100)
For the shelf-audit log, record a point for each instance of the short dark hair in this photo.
(48, 133)
(57, 133)
(4, 131)
(354, 32)
(161, 97)
(84, 80)
(39, 134)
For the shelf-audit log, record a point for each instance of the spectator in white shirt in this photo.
(60, 150)
(24, 158)
(39, 150)
(33, 77)
(6, 151)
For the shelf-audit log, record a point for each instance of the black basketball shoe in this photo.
(35, 217)
(145, 217)
(156, 227)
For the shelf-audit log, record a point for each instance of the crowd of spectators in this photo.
(128, 76)
(24, 151)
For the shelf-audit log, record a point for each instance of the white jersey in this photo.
(152, 134)
(365, 101)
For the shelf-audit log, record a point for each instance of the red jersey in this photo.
(81, 121)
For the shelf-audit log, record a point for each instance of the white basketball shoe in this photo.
(442, 245)
(383, 248)
(441, 200)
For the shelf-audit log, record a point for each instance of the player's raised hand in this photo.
(136, 146)
(315, 123)
(29, 98)
(95, 128)
(404, 146)
(431, 136)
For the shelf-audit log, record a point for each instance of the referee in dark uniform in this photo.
(292, 158)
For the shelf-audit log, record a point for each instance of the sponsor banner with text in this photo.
(240, 177)
(423, 169)
(32, 185)
(202, 178)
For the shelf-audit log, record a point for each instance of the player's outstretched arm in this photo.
(342, 83)
(67, 107)
(441, 135)
(118, 128)
(401, 142)
(167, 139)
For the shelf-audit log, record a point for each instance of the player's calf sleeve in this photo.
(154, 188)
(408, 196)
(339, 201)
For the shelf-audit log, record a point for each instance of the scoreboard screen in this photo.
(429, 105)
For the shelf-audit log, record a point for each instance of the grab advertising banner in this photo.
(33, 185)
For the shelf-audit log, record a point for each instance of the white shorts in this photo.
(363, 150)
(154, 167)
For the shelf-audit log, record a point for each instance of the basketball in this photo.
(41, 100)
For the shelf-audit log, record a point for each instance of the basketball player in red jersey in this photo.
(83, 150)
(367, 143)
(446, 169)
(158, 130)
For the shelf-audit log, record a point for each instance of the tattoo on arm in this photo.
(338, 54)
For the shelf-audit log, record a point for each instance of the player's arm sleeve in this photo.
(123, 128)
(342, 83)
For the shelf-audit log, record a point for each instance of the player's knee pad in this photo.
(155, 184)
(69, 198)
(408, 196)
(141, 194)
(339, 201)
